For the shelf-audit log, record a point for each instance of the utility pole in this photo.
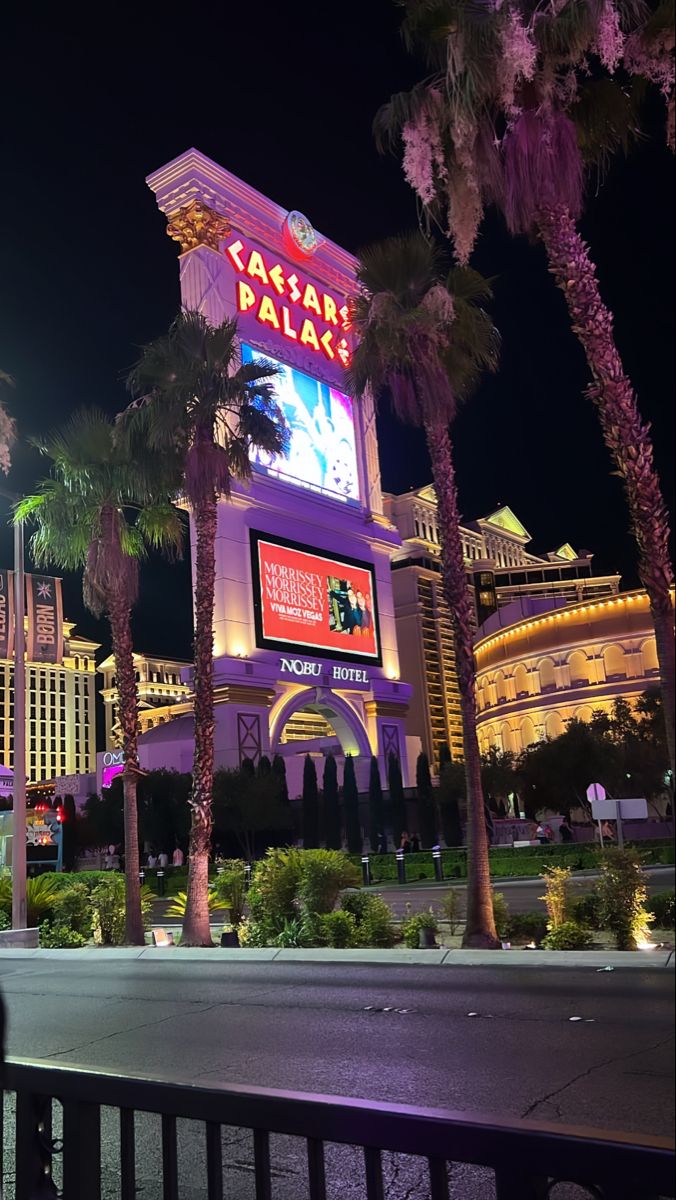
(19, 914)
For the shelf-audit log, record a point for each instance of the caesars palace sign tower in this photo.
(304, 637)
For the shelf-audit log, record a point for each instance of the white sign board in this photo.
(626, 810)
(596, 791)
(68, 785)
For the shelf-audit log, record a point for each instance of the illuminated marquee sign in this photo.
(291, 305)
(305, 601)
(303, 666)
(113, 764)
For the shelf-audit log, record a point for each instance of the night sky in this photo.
(87, 273)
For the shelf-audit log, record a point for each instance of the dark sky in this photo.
(87, 273)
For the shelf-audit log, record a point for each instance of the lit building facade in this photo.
(538, 673)
(305, 646)
(160, 689)
(60, 712)
(501, 572)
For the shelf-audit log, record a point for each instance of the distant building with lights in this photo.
(161, 690)
(60, 712)
(500, 572)
(537, 670)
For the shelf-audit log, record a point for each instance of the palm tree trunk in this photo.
(196, 929)
(120, 625)
(480, 928)
(625, 434)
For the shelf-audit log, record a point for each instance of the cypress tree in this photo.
(450, 792)
(397, 801)
(444, 756)
(332, 833)
(279, 771)
(248, 767)
(264, 766)
(310, 805)
(427, 816)
(376, 806)
(351, 803)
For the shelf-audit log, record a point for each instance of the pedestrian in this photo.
(152, 860)
(415, 843)
(405, 843)
(177, 857)
(566, 830)
(549, 833)
(541, 835)
(163, 859)
(608, 832)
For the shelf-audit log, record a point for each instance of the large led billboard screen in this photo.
(311, 602)
(322, 452)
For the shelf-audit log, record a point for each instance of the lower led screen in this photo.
(312, 602)
(322, 452)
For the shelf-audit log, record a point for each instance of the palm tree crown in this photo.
(7, 427)
(423, 337)
(99, 509)
(521, 96)
(198, 402)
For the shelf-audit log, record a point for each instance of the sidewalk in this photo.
(592, 960)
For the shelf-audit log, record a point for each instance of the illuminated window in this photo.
(614, 663)
(547, 675)
(649, 657)
(521, 681)
(579, 668)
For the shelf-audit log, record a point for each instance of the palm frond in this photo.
(162, 528)
(606, 118)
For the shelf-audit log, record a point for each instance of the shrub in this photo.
(41, 893)
(568, 936)
(58, 936)
(323, 876)
(557, 895)
(412, 925)
(451, 905)
(73, 910)
(623, 893)
(373, 918)
(272, 894)
(587, 910)
(663, 910)
(338, 929)
(5, 921)
(179, 904)
(292, 934)
(500, 914)
(230, 887)
(108, 909)
(526, 927)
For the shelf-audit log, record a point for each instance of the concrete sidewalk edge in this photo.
(593, 959)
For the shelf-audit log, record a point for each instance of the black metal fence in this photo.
(528, 1158)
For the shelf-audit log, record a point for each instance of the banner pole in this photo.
(19, 914)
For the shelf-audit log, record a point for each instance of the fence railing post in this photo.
(438, 866)
(365, 870)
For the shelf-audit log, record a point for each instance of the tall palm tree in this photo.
(100, 511)
(426, 341)
(522, 98)
(197, 400)
(7, 427)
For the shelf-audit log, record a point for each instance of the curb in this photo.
(593, 959)
(497, 881)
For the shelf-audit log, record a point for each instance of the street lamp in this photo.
(19, 913)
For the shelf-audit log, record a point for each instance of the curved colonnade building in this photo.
(537, 670)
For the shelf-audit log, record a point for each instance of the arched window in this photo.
(507, 738)
(579, 668)
(77, 662)
(547, 675)
(500, 687)
(554, 725)
(521, 681)
(583, 714)
(613, 661)
(649, 656)
(527, 732)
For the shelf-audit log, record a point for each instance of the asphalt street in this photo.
(324, 1029)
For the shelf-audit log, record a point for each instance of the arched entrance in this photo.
(345, 722)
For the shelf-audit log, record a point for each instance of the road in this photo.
(307, 1027)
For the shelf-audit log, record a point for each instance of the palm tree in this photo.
(427, 341)
(100, 511)
(521, 99)
(7, 427)
(197, 400)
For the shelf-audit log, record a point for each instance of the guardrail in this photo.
(527, 1158)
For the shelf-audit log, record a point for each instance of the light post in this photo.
(19, 914)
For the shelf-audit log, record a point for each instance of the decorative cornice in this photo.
(386, 708)
(194, 177)
(241, 693)
(198, 225)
